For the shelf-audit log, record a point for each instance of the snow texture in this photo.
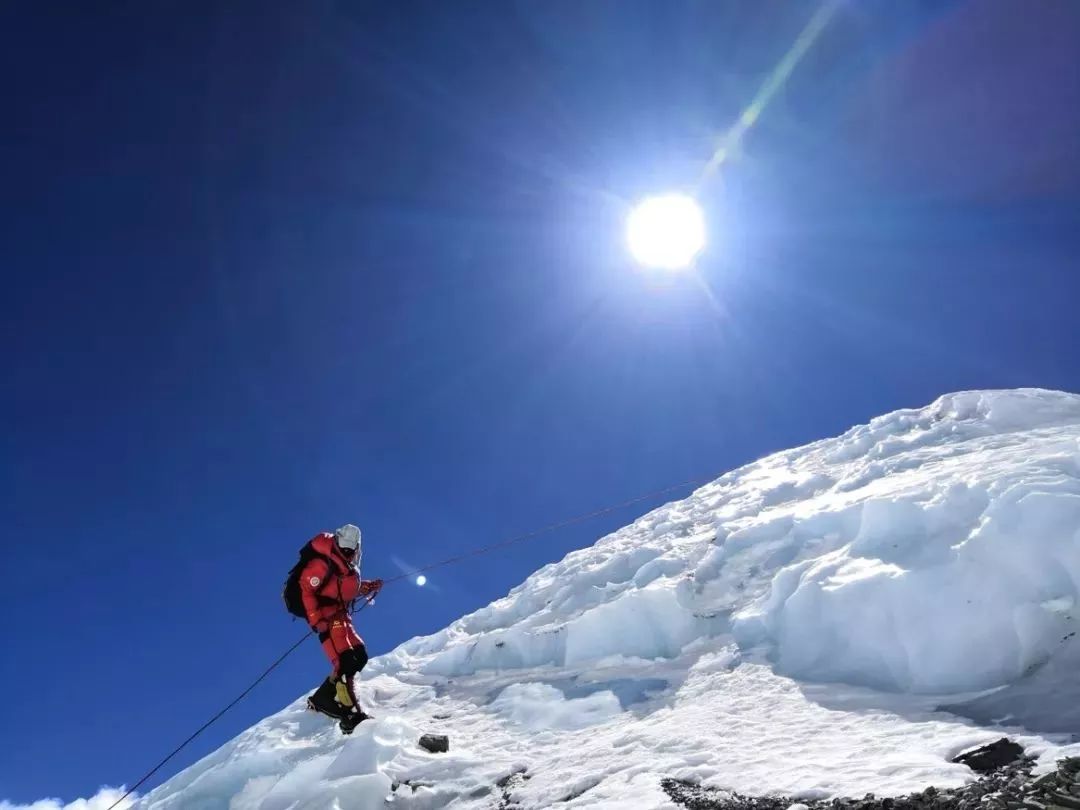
(791, 627)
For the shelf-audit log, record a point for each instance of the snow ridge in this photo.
(815, 594)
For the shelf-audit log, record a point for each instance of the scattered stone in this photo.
(1057, 790)
(1063, 799)
(435, 743)
(507, 784)
(411, 784)
(1006, 786)
(989, 758)
(518, 774)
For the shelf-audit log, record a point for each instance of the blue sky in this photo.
(276, 267)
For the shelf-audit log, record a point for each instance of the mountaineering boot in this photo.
(352, 720)
(324, 701)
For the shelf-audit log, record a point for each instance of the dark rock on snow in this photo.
(1006, 784)
(991, 757)
(435, 743)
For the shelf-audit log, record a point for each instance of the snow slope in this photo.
(790, 627)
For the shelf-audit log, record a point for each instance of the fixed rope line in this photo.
(210, 722)
(551, 527)
(476, 552)
(219, 715)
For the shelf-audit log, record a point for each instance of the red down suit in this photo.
(327, 590)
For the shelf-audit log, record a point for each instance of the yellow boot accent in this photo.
(343, 695)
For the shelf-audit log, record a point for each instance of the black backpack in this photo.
(294, 603)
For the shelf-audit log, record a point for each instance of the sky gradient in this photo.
(274, 267)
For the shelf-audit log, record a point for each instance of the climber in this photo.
(321, 589)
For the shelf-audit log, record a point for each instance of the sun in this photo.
(667, 231)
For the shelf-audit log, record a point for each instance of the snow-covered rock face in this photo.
(933, 551)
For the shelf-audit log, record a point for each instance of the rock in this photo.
(519, 772)
(991, 757)
(435, 743)
(1009, 786)
(1064, 799)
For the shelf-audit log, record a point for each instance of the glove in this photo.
(371, 587)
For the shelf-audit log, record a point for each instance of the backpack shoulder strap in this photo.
(308, 555)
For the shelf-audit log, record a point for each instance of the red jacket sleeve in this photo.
(312, 579)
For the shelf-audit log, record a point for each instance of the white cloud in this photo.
(103, 800)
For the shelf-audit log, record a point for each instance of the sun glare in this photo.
(666, 231)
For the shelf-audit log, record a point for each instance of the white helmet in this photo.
(348, 539)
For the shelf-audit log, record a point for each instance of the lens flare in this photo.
(729, 144)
